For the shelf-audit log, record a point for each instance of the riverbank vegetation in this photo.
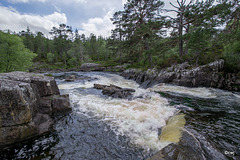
(145, 36)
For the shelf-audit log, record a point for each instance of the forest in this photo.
(145, 36)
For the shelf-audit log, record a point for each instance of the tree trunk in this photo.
(150, 58)
(120, 55)
(185, 50)
(8, 62)
(147, 48)
(197, 60)
(180, 29)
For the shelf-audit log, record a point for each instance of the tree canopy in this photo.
(13, 54)
(145, 35)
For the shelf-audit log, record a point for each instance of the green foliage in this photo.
(199, 40)
(232, 57)
(13, 54)
(169, 60)
(50, 57)
(139, 39)
(72, 63)
(139, 25)
(232, 62)
(48, 66)
(232, 46)
(49, 75)
(66, 47)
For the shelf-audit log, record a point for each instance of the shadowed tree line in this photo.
(145, 35)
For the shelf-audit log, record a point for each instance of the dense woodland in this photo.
(145, 36)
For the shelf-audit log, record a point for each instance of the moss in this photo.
(107, 63)
(49, 75)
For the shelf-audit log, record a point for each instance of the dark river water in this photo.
(107, 128)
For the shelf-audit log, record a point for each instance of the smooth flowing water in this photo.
(101, 127)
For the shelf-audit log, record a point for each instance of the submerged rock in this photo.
(115, 91)
(70, 78)
(28, 104)
(190, 147)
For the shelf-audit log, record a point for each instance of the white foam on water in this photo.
(104, 80)
(197, 92)
(237, 96)
(201, 92)
(139, 119)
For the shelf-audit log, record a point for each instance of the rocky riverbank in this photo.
(210, 75)
(85, 67)
(29, 104)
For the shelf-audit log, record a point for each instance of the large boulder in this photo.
(70, 78)
(15, 101)
(86, 67)
(115, 91)
(28, 104)
(200, 76)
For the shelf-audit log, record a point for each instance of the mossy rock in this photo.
(49, 75)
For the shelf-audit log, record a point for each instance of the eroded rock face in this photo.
(28, 104)
(15, 101)
(115, 91)
(210, 75)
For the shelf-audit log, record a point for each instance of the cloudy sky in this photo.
(88, 16)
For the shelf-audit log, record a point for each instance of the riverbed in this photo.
(102, 127)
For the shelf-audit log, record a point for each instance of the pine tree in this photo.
(137, 25)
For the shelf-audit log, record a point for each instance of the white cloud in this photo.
(79, 1)
(123, 2)
(65, 1)
(71, 2)
(18, 1)
(58, 9)
(25, 1)
(98, 26)
(14, 21)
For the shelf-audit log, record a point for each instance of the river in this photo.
(101, 127)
